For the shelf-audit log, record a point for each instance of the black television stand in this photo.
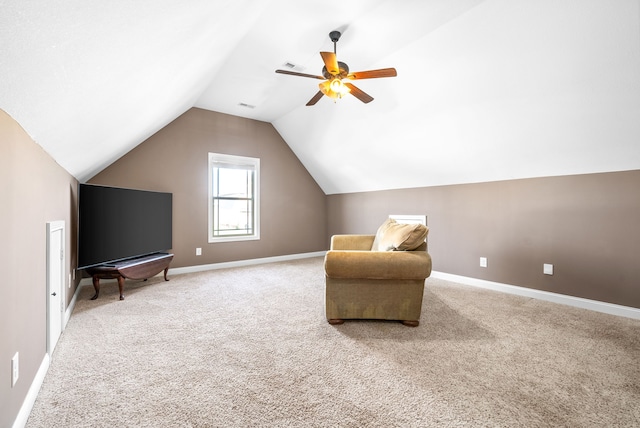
(138, 268)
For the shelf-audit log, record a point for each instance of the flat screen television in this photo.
(116, 224)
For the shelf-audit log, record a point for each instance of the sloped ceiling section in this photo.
(91, 80)
(507, 90)
(486, 89)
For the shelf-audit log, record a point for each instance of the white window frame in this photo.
(239, 162)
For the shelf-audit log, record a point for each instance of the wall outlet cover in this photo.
(483, 262)
(547, 269)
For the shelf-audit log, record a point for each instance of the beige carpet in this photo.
(250, 346)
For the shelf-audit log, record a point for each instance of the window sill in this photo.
(233, 239)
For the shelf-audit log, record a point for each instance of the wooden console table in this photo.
(139, 268)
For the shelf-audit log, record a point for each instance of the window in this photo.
(234, 190)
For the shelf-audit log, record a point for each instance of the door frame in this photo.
(53, 227)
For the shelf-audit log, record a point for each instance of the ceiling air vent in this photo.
(291, 66)
(246, 105)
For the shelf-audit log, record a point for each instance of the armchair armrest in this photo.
(352, 242)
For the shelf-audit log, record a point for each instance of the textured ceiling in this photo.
(486, 90)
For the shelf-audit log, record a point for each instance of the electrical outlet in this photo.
(15, 369)
(483, 262)
(547, 269)
(198, 251)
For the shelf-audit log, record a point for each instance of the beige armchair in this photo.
(362, 283)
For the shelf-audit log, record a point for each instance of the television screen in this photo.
(117, 224)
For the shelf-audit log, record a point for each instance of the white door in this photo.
(55, 281)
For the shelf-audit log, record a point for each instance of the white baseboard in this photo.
(579, 302)
(69, 310)
(225, 265)
(34, 389)
(239, 263)
(32, 394)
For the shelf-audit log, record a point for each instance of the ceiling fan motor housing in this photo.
(344, 71)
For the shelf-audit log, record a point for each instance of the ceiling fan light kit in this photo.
(334, 89)
(335, 71)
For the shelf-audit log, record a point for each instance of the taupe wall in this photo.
(34, 190)
(587, 226)
(293, 207)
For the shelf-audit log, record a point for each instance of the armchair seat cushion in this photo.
(377, 264)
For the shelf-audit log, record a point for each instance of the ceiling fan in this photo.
(335, 71)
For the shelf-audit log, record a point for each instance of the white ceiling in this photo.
(486, 89)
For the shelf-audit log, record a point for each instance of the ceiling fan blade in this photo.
(372, 74)
(358, 93)
(295, 73)
(315, 98)
(330, 62)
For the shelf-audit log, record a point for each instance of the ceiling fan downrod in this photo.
(335, 36)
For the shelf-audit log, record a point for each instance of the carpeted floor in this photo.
(250, 346)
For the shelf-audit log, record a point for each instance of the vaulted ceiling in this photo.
(486, 89)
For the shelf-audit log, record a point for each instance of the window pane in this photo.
(232, 217)
(233, 183)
